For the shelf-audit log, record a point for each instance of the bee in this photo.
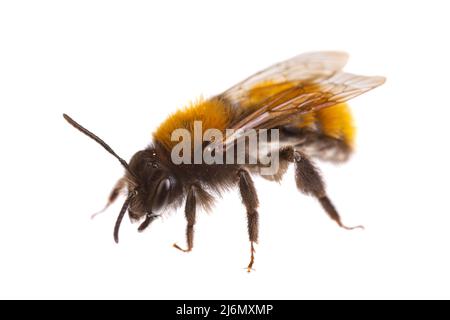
(303, 98)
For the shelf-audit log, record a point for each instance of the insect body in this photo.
(303, 99)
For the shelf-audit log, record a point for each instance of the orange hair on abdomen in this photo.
(335, 122)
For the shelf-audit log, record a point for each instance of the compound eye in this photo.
(161, 195)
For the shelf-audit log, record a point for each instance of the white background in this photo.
(120, 68)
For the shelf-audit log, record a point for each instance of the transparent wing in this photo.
(279, 109)
(306, 67)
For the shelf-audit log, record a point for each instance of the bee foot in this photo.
(249, 269)
(181, 249)
(352, 228)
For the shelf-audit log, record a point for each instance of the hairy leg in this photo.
(189, 211)
(250, 201)
(310, 182)
(120, 185)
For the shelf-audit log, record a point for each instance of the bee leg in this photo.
(190, 218)
(148, 220)
(310, 182)
(120, 185)
(250, 201)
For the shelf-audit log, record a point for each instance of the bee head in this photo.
(150, 185)
(150, 182)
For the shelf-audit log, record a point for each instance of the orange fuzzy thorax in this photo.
(213, 113)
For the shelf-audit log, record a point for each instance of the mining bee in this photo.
(301, 101)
